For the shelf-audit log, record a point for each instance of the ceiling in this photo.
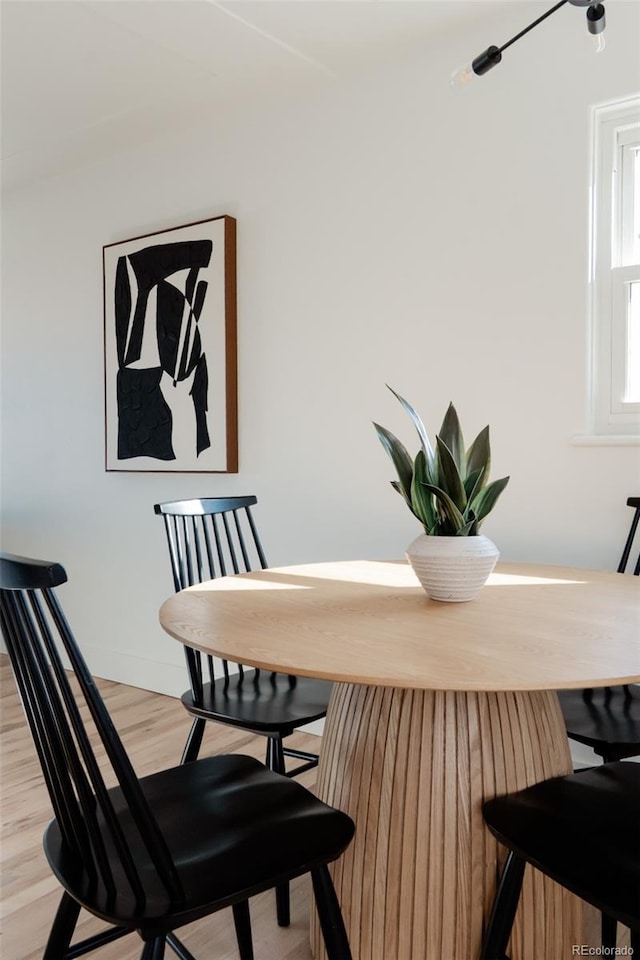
(85, 78)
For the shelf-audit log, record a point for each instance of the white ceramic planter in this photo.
(452, 568)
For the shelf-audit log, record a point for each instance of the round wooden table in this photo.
(438, 706)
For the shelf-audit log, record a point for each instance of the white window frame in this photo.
(615, 128)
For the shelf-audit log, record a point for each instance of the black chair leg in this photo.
(274, 759)
(275, 762)
(283, 905)
(62, 929)
(194, 741)
(331, 922)
(609, 931)
(153, 949)
(242, 921)
(498, 932)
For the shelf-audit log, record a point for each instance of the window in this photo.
(615, 269)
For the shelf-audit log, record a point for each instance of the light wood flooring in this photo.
(154, 729)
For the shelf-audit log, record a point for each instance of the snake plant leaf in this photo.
(449, 478)
(473, 532)
(449, 509)
(421, 500)
(400, 458)
(479, 454)
(465, 531)
(397, 486)
(473, 483)
(486, 499)
(419, 425)
(451, 434)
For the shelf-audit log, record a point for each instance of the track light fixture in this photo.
(493, 55)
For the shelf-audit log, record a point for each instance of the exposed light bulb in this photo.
(480, 65)
(596, 23)
(463, 75)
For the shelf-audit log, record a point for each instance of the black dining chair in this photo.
(213, 538)
(608, 719)
(152, 854)
(583, 831)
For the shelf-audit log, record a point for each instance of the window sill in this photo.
(605, 440)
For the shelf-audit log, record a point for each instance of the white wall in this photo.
(390, 229)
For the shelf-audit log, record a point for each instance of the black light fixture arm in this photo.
(532, 25)
(493, 55)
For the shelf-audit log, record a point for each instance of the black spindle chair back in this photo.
(60, 715)
(623, 566)
(211, 538)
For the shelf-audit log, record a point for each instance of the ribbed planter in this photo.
(452, 568)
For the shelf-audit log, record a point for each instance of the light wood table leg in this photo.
(412, 768)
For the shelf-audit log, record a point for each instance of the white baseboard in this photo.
(583, 756)
(316, 727)
(167, 678)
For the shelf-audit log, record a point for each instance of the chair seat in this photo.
(609, 722)
(264, 707)
(582, 830)
(231, 826)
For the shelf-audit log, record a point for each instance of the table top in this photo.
(532, 627)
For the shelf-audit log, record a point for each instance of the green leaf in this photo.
(473, 483)
(421, 500)
(449, 478)
(466, 530)
(401, 459)
(419, 425)
(449, 509)
(398, 488)
(486, 499)
(451, 434)
(479, 454)
(470, 528)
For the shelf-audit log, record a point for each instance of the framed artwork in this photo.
(170, 350)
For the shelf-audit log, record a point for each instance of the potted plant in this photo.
(447, 489)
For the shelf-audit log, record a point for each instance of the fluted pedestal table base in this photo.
(412, 768)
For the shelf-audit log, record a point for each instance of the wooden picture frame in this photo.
(170, 350)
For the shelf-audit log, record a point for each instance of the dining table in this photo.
(436, 707)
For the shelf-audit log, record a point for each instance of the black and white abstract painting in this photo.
(170, 350)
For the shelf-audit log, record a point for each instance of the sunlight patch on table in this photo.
(390, 573)
(514, 580)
